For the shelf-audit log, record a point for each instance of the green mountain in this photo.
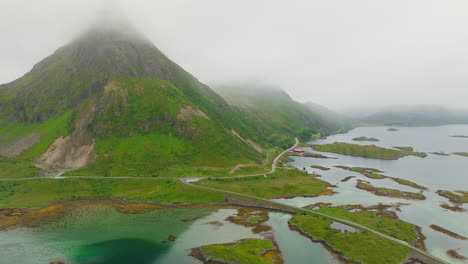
(428, 115)
(273, 113)
(110, 103)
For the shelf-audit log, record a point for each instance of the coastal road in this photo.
(273, 165)
(188, 181)
(87, 177)
(273, 169)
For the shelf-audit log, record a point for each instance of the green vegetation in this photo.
(149, 136)
(392, 129)
(463, 154)
(37, 193)
(392, 227)
(405, 148)
(320, 167)
(409, 183)
(254, 219)
(375, 176)
(462, 197)
(282, 183)
(365, 247)
(440, 153)
(286, 159)
(276, 115)
(365, 139)
(367, 151)
(447, 232)
(170, 126)
(22, 165)
(389, 192)
(309, 155)
(368, 172)
(243, 252)
(459, 136)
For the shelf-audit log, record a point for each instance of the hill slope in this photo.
(276, 115)
(110, 103)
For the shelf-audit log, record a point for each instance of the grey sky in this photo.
(339, 53)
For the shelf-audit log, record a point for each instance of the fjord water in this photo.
(99, 234)
(435, 172)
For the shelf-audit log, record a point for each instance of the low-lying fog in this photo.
(342, 54)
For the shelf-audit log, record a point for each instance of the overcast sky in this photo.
(340, 53)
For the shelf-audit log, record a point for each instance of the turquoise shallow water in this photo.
(435, 172)
(98, 234)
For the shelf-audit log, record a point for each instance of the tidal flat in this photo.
(435, 172)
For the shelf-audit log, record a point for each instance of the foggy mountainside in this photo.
(430, 115)
(272, 112)
(110, 103)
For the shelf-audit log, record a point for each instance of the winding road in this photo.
(188, 181)
(424, 253)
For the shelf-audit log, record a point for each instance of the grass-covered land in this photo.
(461, 196)
(308, 155)
(143, 130)
(22, 165)
(246, 251)
(278, 116)
(366, 151)
(362, 246)
(408, 183)
(37, 193)
(448, 232)
(376, 174)
(283, 182)
(405, 148)
(368, 172)
(320, 167)
(365, 139)
(440, 153)
(392, 227)
(380, 191)
(463, 154)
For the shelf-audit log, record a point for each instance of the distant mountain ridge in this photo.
(273, 112)
(425, 115)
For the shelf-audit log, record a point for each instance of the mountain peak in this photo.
(112, 22)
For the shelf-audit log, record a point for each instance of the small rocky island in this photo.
(365, 139)
(244, 251)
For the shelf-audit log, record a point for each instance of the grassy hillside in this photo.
(112, 104)
(142, 131)
(22, 165)
(277, 116)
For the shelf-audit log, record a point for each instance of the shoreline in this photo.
(244, 218)
(18, 217)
